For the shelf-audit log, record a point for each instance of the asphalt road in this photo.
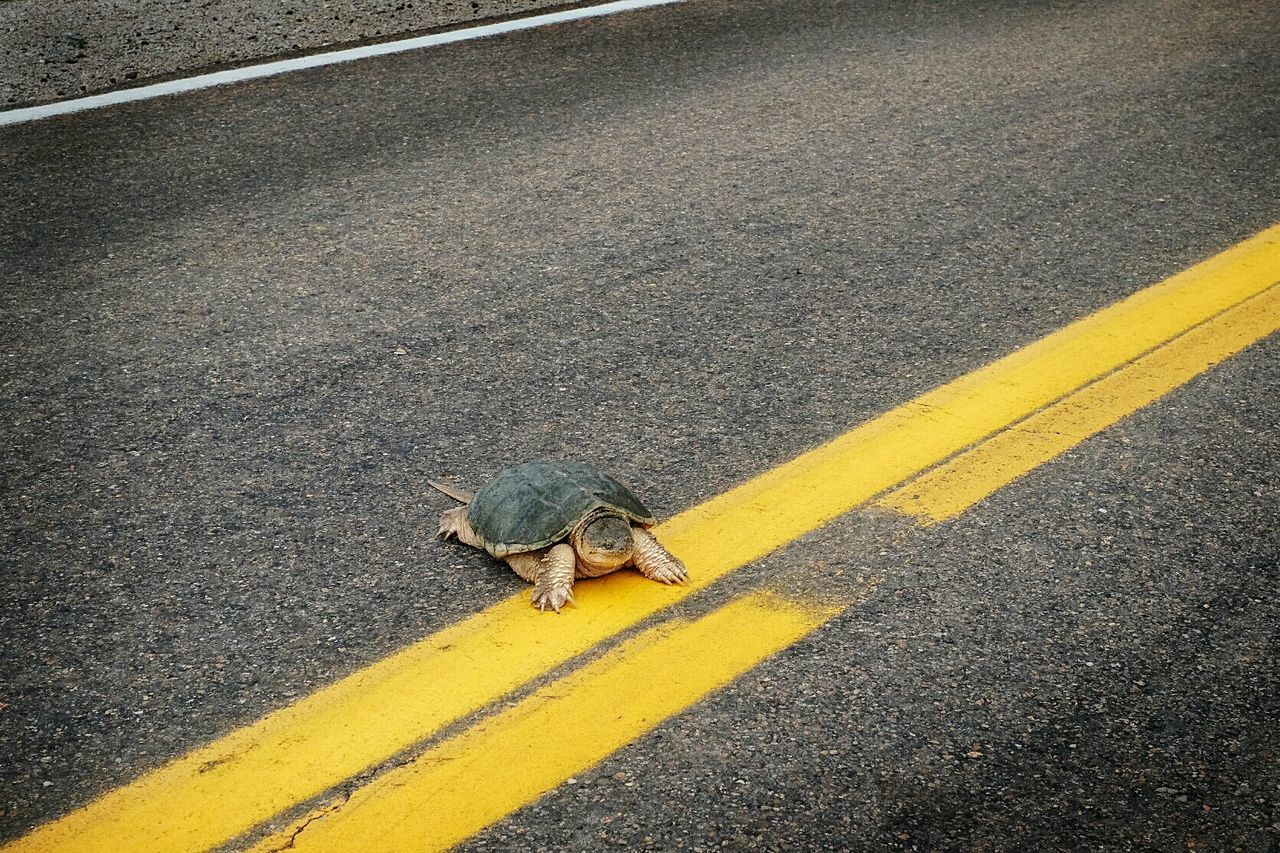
(241, 328)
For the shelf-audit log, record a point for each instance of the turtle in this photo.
(553, 522)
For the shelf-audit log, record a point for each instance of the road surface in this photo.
(242, 327)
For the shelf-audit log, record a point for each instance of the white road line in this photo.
(284, 66)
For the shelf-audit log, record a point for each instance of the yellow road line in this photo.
(219, 791)
(506, 762)
(954, 486)
(509, 760)
(792, 499)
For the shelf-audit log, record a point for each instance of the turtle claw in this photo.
(552, 598)
(671, 575)
(451, 521)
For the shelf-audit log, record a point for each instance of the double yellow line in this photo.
(930, 458)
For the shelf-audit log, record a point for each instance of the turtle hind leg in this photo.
(456, 522)
(654, 561)
(551, 575)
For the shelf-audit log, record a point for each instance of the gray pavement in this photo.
(241, 328)
(1085, 662)
(54, 51)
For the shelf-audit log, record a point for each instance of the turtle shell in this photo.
(536, 504)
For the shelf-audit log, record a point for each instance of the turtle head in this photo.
(603, 540)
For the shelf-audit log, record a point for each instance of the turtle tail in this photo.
(456, 494)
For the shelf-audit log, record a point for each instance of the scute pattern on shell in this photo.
(536, 504)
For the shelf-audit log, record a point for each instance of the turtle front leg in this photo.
(552, 576)
(526, 565)
(654, 561)
(456, 522)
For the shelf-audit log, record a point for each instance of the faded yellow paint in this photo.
(951, 488)
(222, 790)
(490, 770)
